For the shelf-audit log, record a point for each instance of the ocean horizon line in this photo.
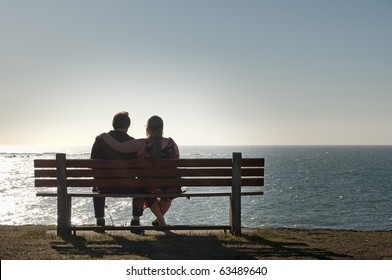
(212, 145)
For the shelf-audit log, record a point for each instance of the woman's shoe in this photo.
(156, 224)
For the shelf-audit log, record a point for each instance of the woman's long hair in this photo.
(154, 131)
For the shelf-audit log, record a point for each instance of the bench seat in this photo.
(65, 179)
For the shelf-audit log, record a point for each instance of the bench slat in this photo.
(176, 227)
(152, 182)
(185, 194)
(121, 173)
(137, 163)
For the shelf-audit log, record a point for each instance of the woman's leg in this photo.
(156, 210)
(165, 205)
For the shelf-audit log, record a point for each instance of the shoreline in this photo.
(39, 242)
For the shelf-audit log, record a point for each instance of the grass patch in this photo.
(41, 243)
(36, 232)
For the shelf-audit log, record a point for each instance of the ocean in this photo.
(307, 187)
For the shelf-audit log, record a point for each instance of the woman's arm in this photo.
(176, 150)
(129, 146)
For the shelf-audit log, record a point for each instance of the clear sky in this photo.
(217, 71)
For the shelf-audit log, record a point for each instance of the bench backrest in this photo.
(147, 173)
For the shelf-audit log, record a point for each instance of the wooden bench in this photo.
(68, 178)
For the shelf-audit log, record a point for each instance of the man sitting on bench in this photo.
(101, 150)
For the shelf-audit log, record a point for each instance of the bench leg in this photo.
(64, 217)
(235, 198)
(235, 216)
(63, 200)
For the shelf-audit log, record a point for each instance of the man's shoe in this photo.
(100, 223)
(136, 231)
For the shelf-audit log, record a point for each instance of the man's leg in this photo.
(137, 212)
(99, 208)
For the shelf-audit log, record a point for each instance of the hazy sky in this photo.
(217, 72)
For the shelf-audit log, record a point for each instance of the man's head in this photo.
(121, 121)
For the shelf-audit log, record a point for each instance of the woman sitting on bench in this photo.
(155, 146)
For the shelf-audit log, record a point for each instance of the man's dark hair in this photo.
(121, 121)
